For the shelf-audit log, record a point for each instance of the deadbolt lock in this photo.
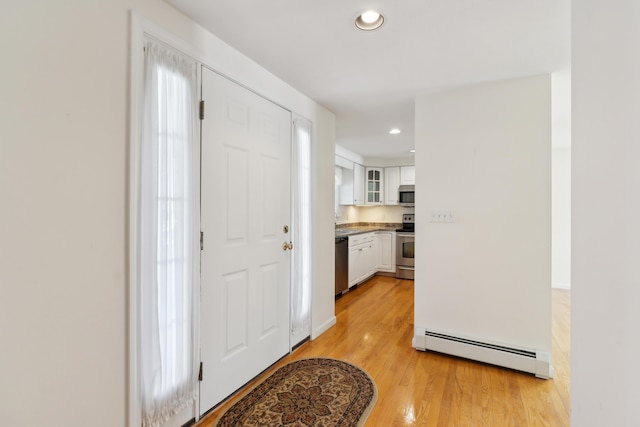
(285, 229)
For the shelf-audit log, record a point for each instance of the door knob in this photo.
(286, 246)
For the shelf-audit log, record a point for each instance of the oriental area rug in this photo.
(306, 393)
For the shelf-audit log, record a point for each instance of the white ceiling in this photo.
(370, 79)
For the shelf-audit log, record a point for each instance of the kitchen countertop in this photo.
(343, 230)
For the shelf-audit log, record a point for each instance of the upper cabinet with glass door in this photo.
(374, 186)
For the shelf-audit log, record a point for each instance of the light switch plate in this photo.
(441, 216)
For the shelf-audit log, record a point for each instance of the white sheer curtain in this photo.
(168, 229)
(301, 230)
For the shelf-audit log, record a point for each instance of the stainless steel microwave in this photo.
(407, 195)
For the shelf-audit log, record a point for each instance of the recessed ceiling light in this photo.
(395, 131)
(369, 20)
(412, 151)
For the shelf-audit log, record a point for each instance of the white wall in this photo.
(379, 162)
(323, 154)
(347, 214)
(382, 214)
(64, 202)
(561, 178)
(484, 152)
(561, 108)
(605, 209)
(375, 214)
(561, 217)
(348, 154)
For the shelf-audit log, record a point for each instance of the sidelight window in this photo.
(168, 226)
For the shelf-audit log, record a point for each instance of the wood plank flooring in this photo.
(374, 330)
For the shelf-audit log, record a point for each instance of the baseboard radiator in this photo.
(532, 361)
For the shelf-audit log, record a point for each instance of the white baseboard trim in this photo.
(323, 328)
(560, 285)
(536, 362)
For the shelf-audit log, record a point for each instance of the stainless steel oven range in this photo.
(405, 239)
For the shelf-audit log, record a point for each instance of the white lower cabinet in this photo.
(386, 244)
(369, 260)
(362, 257)
(354, 265)
(370, 253)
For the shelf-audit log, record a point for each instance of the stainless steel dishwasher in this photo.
(342, 264)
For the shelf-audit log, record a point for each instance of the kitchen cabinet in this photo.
(370, 253)
(407, 175)
(351, 186)
(345, 185)
(386, 251)
(354, 266)
(391, 183)
(362, 257)
(358, 184)
(374, 186)
(369, 260)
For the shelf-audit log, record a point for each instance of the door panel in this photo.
(245, 204)
(269, 289)
(235, 288)
(237, 168)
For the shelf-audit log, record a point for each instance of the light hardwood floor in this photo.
(374, 330)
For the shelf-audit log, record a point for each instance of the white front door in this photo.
(246, 143)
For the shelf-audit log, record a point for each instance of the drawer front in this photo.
(359, 239)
